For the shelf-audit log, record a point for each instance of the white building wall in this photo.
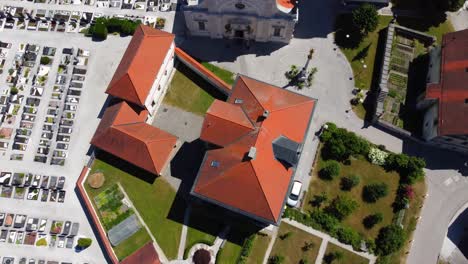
(160, 85)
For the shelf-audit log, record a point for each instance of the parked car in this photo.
(293, 197)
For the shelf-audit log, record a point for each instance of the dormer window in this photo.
(238, 101)
(214, 164)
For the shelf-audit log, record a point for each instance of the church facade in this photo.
(251, 20)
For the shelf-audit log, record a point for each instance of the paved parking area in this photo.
(106, 56)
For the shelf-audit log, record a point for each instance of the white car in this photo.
(293, 197)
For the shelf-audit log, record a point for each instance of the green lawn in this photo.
(229, 253)
(132, 244)
(223, 74)
(259, 248)
(239, 232)
(368, 173)
(186, 94)
(152, 201)
(348, 256)
(424, 25)
(291, 248)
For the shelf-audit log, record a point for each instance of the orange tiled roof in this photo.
(124, 133)
(140, 65)
(145, 255)
(452, 91)
(258, 186)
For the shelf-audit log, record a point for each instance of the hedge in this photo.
(246, 249)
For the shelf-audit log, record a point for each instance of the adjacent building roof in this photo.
(260, 130)
(140, 64)
(124, 133)
(452, 90)
(146, 254)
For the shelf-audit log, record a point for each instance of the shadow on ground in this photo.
(457, 232)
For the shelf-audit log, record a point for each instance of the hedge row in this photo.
(246, 249)
(103, 26)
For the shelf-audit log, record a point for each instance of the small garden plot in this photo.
(111, 208)
(20, 192)
(30, 238)
(56, 227)
(5, 133)
(33, 194)
(6, 191)
(293, 245)
(42, 240)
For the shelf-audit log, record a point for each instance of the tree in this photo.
(276, 259)
(100, 31)
(341, 207)
(330, 170)
(45, 60)
(349, 182)
(390, 239)
(319, 199)
(13, 90)
(84, 242)
(371, 220)
(372, 192)
(366, 18)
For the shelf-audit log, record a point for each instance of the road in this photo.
(105, 58)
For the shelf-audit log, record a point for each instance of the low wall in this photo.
(203, 72)
(101, 235)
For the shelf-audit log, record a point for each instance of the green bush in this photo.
(372, 192)
(409, 168)
(14, 90)
(348, 236)
(332, 256)
(84, 242)
(45, 60)
(340, 144)
(341, 207)
(246, 249)
(99, 31)
(285, 235)
(319, 199)
(276, 259)
(390, 239)
(371, 220)
(330, 170)
(349, 182)
(366, 18)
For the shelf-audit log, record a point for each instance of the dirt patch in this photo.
(96, 180)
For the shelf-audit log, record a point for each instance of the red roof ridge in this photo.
(263, 193)
(250, 91)
(292, 105)
(235, 123)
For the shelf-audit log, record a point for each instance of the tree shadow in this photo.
(362, 54)
(347, 35)
(457, 233)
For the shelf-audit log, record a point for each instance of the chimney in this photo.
(266, 113)
(252, 153)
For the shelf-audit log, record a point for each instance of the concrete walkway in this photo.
(161, 254)
(270, 245)
(326, 239)
(322, 250)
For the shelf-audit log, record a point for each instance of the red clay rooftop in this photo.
(452, 90)
(124, 133)
(256, 118)
(145, 255)
(140, 64)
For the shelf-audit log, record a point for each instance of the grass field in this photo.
(223, 74)
(291, 248)
(159, 195)
(259, 249)
(348, 256)
(187, 95)
(368, 173)
(132, 244)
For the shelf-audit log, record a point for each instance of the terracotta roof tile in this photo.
(145, 255)
(256, 187)
(140, 64)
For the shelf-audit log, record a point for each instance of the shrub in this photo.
(409, 168)
(45, 60)
(330, 170)
(349, 182)
(285, 235)
(246, 249)
(324, 221)
(84, 242)
(366, 18)
(332, 256)
(372, 192)
(14, 90)
(100, 31)
(319, 199)
(377, 156)
(276, 259)
(371, 220)
(390, 239)
(348, 236)
(339, 143)
(307, 246)
(341, 207)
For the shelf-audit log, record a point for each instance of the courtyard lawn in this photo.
(186, 94)
(368, 173)
(159, 195)
(223, 74)
(292, 246)
(132, 244)
(424, 25)
(229, 253)
(348, 256)
(259, 248)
